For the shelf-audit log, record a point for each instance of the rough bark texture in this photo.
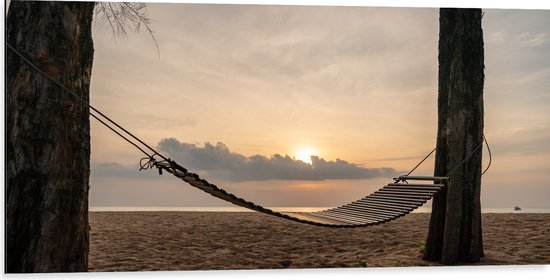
(47, 137)
(455, 227)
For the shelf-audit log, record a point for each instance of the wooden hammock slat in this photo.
(316, 220)
(401, 196)
(367, 208)
(404, 201)
(406, 191)
(421, 189)
(421, 178)
(342, 220)
(416, 185)
(371, 201)
(364, 214)
(405, 194)
(406, 205)
(350, 218)
(371, 208)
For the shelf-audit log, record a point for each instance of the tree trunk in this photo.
(47, 137)
(455, 227)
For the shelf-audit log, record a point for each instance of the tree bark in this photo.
(47, 137)
(455, 226)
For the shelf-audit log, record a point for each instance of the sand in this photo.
(178, 241)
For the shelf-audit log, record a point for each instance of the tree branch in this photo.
(122, 15)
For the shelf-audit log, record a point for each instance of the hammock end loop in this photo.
(149, 163)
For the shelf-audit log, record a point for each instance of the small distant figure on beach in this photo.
(517, 208)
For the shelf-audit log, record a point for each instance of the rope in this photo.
(462, 162)
(414, 168)
(86, 103)
(118, 133)
(490, 155)
(468, 157)
(422, 161)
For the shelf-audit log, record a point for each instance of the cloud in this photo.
(535, 40)
(217, 161)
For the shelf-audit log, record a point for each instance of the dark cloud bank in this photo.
(217, 161)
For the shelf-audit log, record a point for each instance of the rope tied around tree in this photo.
(468, 157)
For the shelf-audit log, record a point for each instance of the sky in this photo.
(311, 106)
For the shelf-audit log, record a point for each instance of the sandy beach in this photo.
(177, 241)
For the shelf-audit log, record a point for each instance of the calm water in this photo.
(291, 209)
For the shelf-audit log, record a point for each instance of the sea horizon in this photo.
(285, 209)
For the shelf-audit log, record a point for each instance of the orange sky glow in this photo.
(357, 86)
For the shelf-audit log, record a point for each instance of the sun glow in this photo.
(304, 154)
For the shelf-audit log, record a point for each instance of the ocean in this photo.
(288, 209)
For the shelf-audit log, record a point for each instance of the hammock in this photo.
(388, 203)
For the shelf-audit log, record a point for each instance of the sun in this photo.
(304, 154)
